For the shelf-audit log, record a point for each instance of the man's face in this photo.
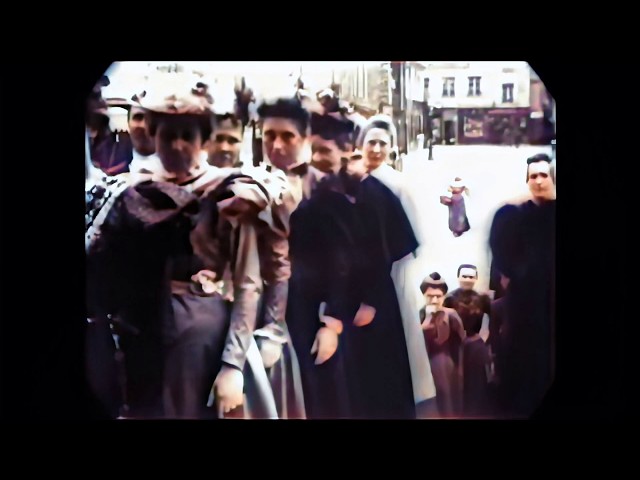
(282, 142)
(140, 138)
(224, 146)
(539, 181)
(376, 148)
(326, 156)
(434, 297)
(467, 278)
(178, 142)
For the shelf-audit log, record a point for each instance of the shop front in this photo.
(507, 126)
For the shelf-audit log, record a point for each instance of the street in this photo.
(493, 174)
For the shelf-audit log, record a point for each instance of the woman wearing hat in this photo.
(161, 247)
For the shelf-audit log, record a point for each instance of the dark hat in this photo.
(331, 126)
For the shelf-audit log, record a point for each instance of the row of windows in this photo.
(359, 83)
(448, 88)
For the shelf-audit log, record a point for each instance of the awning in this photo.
(118, 102)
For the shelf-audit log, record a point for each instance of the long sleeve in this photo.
(397, 182)
(456, 326)
(274, 255)
(276, 270)
(333, 239)
(102, 265)
(337, 299)
(387, 237)
(442, 331)
(504, 241)
(317, 244)
(247, 289)
(495, 323)
(457, 335)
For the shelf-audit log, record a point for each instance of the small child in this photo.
(458, 221)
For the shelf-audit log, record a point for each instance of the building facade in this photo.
(478, 102)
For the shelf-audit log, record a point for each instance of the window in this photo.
(474, 87)
(361, 82)
(365, 82)
(507, 92)
(355, 79)
(448, 89)
(473, 126)
(426, 83)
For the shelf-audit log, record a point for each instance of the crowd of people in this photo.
(287, 288)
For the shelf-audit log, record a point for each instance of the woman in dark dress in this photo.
(384, 384)
(344, 240)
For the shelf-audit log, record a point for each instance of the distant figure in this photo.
(435, 134)
(458, 221)
(110, 151)
(507, 136)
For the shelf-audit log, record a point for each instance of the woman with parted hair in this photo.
(376, 140)
(443, 330)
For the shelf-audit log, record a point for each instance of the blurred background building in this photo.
(448, 103)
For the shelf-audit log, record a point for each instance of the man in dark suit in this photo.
(522, 241)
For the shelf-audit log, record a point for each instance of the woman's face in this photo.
(325, 155)
(434, 297)
(282, 142)
(140, 138)
(376, 148)
(178, 142)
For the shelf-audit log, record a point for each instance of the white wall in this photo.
(492, 76)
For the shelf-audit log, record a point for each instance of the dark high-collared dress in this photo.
(342, 251)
